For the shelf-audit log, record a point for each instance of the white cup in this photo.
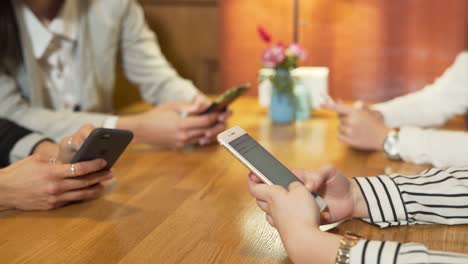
(315, 79)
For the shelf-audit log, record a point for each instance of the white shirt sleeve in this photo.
(110, 122)
(145, 65)
(25, 146)
(436, 147)
(433, 105)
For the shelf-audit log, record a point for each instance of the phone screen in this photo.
(261, 159)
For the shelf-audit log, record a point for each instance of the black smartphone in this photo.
(222, 102)
(106, 144)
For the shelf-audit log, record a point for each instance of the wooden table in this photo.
(193, 206)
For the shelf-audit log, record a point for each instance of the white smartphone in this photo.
(258, 160)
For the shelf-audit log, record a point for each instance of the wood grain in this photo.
(193, 206)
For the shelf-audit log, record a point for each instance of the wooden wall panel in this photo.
(189, 38)
(376, 49)
(188, 34)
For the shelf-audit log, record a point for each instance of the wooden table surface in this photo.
(193, 206)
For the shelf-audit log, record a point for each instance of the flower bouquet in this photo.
(282, 59)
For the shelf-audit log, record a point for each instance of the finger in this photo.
(345, 120)
(342, 109)
(38, 157)
(200, 103)
(201, 100)
(325, 217)
(73, 143)
(264, 206)
(81, 168)
(300, 173)
(345, 130)
(327, 172)
(190, 137)
(203, 121)
(224, 116)
(211, 134)
(194, 108)
(70, 143)
(366, 107)
(315, 181)
(308, 178)
(80, 182)
(270, 220)
(214, 131)
(345, 139)
(260, 191)
(295, 185)
(254, 178)
(84, 132)
(80, 195)
(197, 108)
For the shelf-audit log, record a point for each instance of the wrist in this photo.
(303, 248)
(359, 202)
(347, 242)
(130, 123)
(381, 137)
(5, 197)
(378, 115)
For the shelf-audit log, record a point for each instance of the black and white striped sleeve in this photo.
(383, 252)
(435, 197)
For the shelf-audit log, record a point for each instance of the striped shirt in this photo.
(435, 197)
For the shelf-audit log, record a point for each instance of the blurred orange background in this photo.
(375, 50)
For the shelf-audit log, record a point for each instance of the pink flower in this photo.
(274, 56)
(264, 34)
(295, 50)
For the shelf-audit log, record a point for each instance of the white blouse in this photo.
(432, 106)
(55, 48)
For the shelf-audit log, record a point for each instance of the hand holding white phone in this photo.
(259, 161)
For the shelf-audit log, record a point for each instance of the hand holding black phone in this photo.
(224, 100)
(103, 143)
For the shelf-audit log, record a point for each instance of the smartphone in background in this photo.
(106, 144)
(222, 102)
(258, 160)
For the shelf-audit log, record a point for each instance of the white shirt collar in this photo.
(64, 25)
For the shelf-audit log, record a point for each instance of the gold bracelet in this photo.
(348, 241)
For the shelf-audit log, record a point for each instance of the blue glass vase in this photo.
(282, 105)
(302, 102)
(282, 110)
